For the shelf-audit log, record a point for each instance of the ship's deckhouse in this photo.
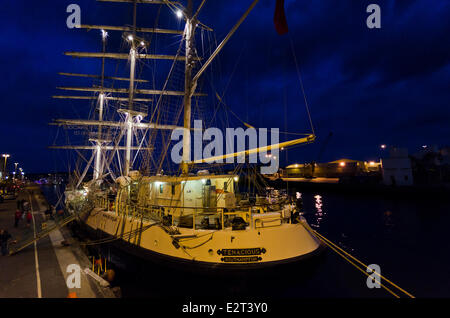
(191, 193)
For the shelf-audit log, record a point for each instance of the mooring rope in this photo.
(126, 235)
(344, 255)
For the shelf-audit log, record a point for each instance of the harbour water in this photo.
(405, 237)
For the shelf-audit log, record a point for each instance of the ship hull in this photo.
(132, 253)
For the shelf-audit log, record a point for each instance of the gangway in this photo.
(20, 245)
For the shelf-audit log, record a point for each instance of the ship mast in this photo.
(98, 167)
(188, 87)
(130, 113)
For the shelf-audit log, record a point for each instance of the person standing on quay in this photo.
(29, 218)
(4, 237)
(17, 217)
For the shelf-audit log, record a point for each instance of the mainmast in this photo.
(130, 112)
(191, 24)
(131, 95)
(98, 167)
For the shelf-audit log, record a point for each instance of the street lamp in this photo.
(6, 156)
(15, 170)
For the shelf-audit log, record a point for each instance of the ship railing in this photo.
(196, 219)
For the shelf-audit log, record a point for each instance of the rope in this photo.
(125, 236)
(361, 270)
(343, 254)
(201, 244)
(301, 85)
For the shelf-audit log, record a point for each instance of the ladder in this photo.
(44, 233)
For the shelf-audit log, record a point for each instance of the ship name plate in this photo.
(241, 259)
(241, 251)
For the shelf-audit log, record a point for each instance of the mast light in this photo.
(179, 14)
(130, 38)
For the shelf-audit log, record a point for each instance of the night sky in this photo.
(367, 86)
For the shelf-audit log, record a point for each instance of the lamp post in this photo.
(6, 156)
(15, 170)
(382, 151)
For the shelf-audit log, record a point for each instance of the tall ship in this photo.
(192, 212)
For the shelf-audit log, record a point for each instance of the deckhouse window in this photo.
(173, 189)
(161, 188)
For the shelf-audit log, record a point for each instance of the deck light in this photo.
(130, 38)
(383, 146)
(179, 14)
(342, 164)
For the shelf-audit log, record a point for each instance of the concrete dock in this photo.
(42, 269)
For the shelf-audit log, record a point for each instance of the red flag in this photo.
(279, 18)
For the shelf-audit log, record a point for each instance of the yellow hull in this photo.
(249, 247)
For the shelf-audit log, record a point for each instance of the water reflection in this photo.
(319, 213)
